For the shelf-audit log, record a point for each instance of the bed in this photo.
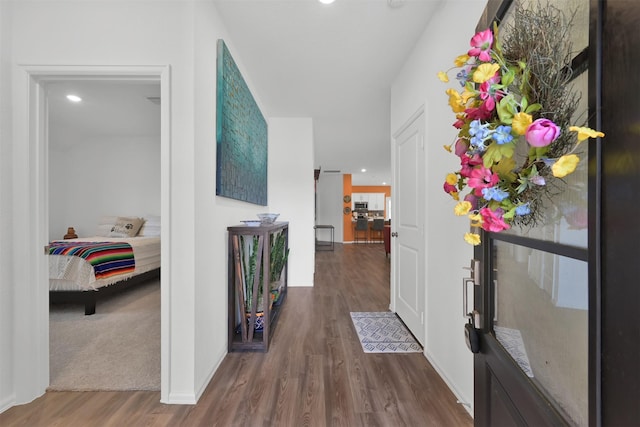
(83, 269)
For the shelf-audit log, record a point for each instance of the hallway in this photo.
(315, 373)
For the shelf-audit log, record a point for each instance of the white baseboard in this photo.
(466, 405)
(213, 371)
(8, 402)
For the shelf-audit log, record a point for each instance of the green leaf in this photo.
(508, 77)
(505, 109)
(533, 108)
(524, 103)
(505, 168)
(541, 151)
(509, 214)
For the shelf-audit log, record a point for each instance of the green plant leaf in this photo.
(505, 168)
(505, 109)
(533, 108)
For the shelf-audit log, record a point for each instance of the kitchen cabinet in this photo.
(375, 201)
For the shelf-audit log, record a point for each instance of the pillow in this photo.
(126, 226)
(105, 224)
(151, 227)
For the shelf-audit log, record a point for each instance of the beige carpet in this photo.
(118, 348)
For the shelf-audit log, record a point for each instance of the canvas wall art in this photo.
(241, 133)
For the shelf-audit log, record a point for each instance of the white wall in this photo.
(329, 192)
(293, 198)
(7, 389)
(94, 178)
(446, 251)
(180, 34)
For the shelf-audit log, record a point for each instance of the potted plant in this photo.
(277, 261)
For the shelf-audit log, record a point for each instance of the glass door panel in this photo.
(541, 320)
(565, 216)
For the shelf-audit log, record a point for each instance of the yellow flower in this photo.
(447, 147)
(443, 76)
(565, 165)
(461, 60)
(521, 122)
(452, 179)
(455, 101)
(585, 133)
(476, 220)
(467, 95)
(472, 238)
(462, 208)
(484, 72)
(455, 195)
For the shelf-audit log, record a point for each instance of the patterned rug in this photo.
(383, 332)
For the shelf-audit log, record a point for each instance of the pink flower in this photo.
(461, 147)
(481, 45)
(489, 94)
(480, 178)
(480, 113)
(448, 188)
(492, 220)
(541, 133)
(468, 163)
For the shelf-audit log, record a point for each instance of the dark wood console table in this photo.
(254, 307)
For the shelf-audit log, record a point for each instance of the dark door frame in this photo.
(613, 60)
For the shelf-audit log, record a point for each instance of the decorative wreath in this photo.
(514, 92)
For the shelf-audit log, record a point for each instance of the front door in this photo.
(535, 362)
(407, 225)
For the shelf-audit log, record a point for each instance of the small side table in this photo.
(323, 245)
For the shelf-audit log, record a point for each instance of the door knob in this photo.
(394, 234)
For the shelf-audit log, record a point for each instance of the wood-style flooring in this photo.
(315, 373)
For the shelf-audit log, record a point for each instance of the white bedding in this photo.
(72, 273)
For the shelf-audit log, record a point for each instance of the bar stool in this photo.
(376, 230)
(361, 230)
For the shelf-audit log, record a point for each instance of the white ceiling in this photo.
(334, 63)
(108, 109)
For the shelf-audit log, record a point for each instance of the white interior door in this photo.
(407, 226)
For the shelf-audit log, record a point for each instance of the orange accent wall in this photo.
(348, 189)
(347, 229)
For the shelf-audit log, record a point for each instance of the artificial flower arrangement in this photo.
(515, 90)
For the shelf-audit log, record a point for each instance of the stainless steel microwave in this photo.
(361, 205)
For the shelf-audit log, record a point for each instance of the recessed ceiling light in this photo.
(363, 170)
(74, 98)
(384, 183)
(326, 1)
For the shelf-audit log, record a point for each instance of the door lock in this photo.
(394, 234)
(475, 279)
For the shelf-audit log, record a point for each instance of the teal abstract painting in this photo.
(241, 136)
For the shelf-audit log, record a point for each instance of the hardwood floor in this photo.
(315, 373)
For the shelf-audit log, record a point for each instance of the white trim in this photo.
(461, 400)
(7, 403)
(221, 355)
(33, 182)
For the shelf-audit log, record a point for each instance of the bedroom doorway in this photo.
(40, 79)
(108, 132)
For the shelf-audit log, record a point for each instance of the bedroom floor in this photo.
(118, 348)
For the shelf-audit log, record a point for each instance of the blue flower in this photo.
(462, 77)
(494, 193)
(502, 134)
(523, 209)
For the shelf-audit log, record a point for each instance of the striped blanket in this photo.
(107, 258)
